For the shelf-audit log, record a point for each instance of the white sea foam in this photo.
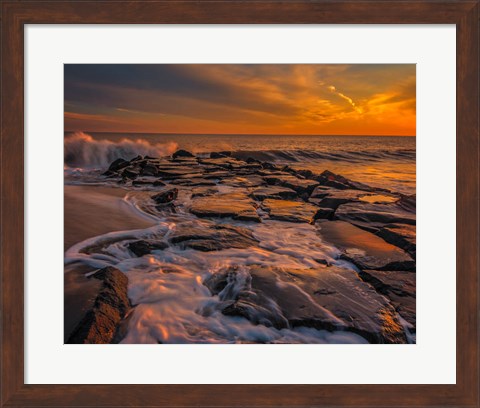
(82, 150)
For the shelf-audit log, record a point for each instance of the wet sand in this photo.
(97, 210)
(90, 211)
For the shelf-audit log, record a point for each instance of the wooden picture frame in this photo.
(16, 14)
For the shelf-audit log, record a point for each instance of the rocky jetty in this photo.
(368, 289)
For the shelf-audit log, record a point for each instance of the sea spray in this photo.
(82, 150)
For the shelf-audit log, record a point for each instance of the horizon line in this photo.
(238, 134)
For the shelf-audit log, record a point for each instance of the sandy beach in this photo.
(95, 210)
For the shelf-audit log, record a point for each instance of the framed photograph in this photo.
(219, 204)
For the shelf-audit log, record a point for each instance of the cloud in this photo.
(256, 98)
(332, 89)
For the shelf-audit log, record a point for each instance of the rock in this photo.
(130, 173)
(222, 162)
(251, 160)
(211, 237)
(219, 155)
(327, 178)
(236, 205)
(408, 203)
(118, 165)
(401, 235)
(165, 196)
(321, 192)
(149, 170)
(268, 166)
(193, 182)
(277, 192)
(144, 247)
(218, 175)
(324, 298)
(299, 185)
(324, 214)
(179, 172)
(335, 197)
(249, 181)
(147, 180)
(378, 198)
(364, 249)
(136, 159)
(111, 305)
(293, 211)
(399, 287)
(204, 191)
(374, 216)
(182, 153)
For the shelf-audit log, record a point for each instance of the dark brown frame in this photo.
(15, 14)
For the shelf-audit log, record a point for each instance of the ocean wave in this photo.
(82, 150)
(308, 155)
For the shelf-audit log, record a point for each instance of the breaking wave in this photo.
(82, 150)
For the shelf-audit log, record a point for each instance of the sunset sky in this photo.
(255, 99)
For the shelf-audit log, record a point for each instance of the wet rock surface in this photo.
(165, 196)
(144, 247)
(276, 192)
(300, 185)
(236, 205)
(212, 237)
(292, 211)
(364, 249)
(374, 217)
(99, 325)
(399, 287)
(324, 298)
(402, 236)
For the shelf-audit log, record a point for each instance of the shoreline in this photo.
(90, 211)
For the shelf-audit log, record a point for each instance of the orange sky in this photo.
(355, 99)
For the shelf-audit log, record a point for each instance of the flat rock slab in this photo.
(223, 162)
(99, 325)
(292, 211)
(211, 237)
(247, 181)
(401, 235)
(193, 182)
(356, 304)
(399, 287)
(325, 298)
(204, 191)
(179, 172)
(236, 205)
(332, 197)
(301, 186)
(327, 178)
(364, 249)
(275, 192)
(374, 216)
